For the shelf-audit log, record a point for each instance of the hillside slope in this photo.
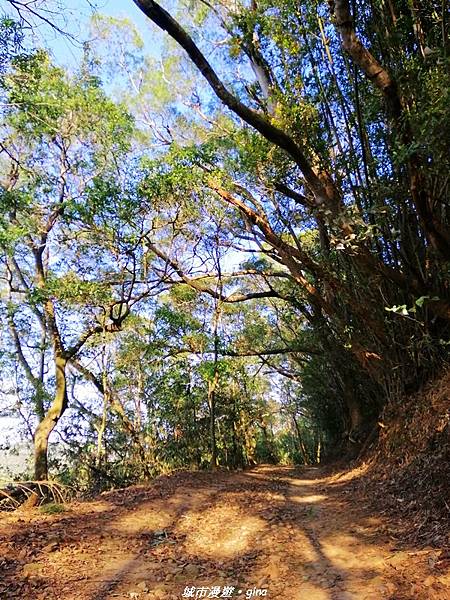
(406, 473)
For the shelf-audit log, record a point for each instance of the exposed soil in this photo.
(298, 534)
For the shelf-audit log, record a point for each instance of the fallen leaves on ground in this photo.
(295, 533)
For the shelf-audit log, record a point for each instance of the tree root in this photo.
(27, 494)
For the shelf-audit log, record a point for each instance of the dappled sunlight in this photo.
(373, 521)
(227, 533)
(146, 518)
(301, 548)
(305, 482)
(348, 552)
(346, 476)
(254, 475)
(313, 499)
(310, 591)
(300, 588)
(220, 531)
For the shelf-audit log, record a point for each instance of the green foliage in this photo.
(52, 509)
(143, 207)
(45, 102)
(71, 290)
(11, 42)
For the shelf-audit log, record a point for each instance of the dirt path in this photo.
(272, 532)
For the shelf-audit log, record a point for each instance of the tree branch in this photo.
(325, 192)
(372, 69)
(194, 281)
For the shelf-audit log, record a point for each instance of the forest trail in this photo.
(289, 533)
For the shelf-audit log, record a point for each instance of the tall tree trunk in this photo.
(48, 423)
(318, 447)
(355, 417)
(300, 441)
(212, 385)
(212, 419)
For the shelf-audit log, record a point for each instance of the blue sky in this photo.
(74, 20)
(67, 51)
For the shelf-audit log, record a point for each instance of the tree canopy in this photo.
(232, 248)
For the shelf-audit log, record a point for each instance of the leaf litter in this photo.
(296, 533)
